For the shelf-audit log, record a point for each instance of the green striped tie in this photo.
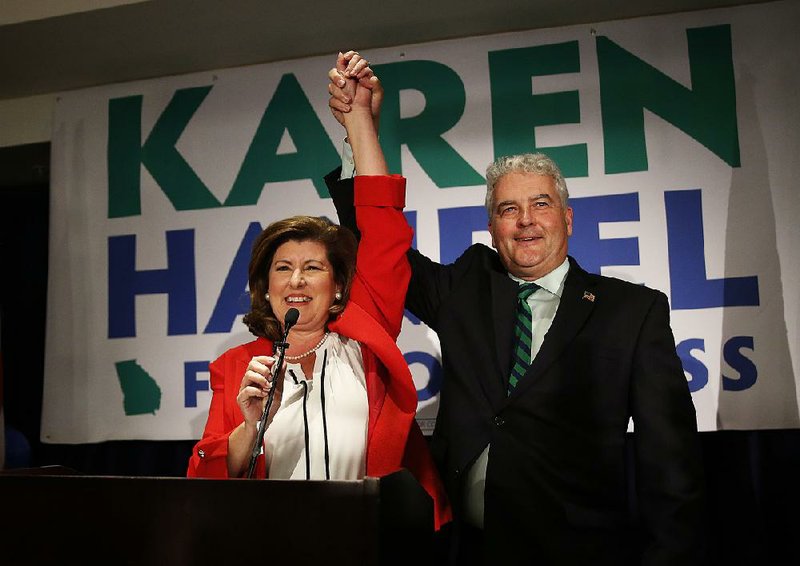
(521, 358)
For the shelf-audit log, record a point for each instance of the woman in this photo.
(345, 401)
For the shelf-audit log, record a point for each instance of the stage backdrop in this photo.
(678, 135)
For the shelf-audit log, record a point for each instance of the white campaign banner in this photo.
(678, 136)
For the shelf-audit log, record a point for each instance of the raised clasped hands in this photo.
(354, 89)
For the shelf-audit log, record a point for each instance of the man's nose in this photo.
(525, 217)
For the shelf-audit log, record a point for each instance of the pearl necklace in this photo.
(306, 354)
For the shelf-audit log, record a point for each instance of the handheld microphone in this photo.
(292, 315)
(289, 320)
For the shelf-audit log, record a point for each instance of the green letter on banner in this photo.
(288, 111)
(516, 111)
(707, 112)
(444, 105)
(176, 178)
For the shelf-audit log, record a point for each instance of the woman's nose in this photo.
(297, 278)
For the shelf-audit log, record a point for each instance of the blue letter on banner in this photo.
(585, 244)
(234, 300)
(177, 281)
(687, 263)
(191, 384)
(456, 226)
(748, 372)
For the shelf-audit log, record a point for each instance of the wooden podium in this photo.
(48, 516)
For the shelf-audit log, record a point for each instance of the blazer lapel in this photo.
(577, 303)
(503, 307)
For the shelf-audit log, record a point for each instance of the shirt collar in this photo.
(553, 282)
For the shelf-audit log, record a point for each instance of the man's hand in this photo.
(351, 72)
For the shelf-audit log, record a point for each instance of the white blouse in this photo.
(346, 415)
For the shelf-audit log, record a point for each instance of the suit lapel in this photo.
(503, 305)
(575, 306)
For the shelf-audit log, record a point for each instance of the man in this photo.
(530, 433)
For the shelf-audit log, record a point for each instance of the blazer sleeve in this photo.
(382, 269)
(209, 456)
(341, 191)
(670, 481)
(430, 281)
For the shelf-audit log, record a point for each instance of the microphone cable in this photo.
(304, 383)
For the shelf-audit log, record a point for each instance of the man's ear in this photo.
(568, 218)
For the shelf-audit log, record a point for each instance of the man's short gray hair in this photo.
(536, 163)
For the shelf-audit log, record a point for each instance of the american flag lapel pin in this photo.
(588, 296)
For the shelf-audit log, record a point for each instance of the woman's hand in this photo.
(356, 96)
(352, 71)
(254, 388)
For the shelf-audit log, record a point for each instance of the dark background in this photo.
(753, 477)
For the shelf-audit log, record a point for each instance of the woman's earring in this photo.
(266, 296)
(338, 295)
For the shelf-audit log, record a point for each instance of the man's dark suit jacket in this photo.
(557, 484)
